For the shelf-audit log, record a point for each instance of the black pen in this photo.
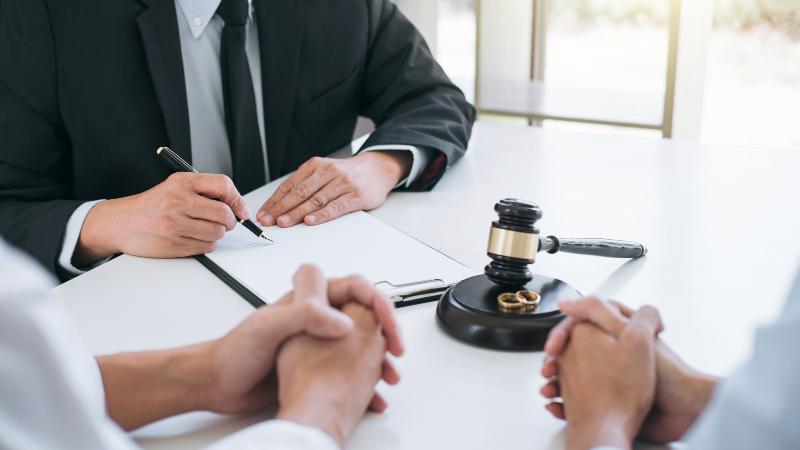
(179, 165)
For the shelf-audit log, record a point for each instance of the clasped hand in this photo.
(617, 379)
(318, 352)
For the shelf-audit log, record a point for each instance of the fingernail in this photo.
(247, 212)
(311, 218)
(266, 219)
(284, 219)
(260, 215)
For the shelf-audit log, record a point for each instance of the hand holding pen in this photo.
(179, 165)
(173, 219)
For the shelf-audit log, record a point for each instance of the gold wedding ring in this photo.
(528, 298)
(509, 300)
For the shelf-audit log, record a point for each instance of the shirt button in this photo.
(198, 21)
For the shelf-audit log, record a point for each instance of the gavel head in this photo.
(513, 242)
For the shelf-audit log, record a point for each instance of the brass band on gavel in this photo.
(513, 244)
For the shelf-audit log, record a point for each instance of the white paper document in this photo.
(353, 244)
(239, 237)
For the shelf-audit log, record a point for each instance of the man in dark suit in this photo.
(251, 89)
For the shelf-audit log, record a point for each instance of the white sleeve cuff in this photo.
(71, 234)
(277, 435)
(421, 158)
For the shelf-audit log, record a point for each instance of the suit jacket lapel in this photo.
(159, 28)
(280, 31)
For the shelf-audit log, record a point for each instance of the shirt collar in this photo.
(199, 13)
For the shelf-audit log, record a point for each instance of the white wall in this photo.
(423, 14)
(690, 75)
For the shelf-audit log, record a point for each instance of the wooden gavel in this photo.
(514, 242)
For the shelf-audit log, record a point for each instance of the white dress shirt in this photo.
(51, 389)
(200, 31)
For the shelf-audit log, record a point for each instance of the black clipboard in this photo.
(253, 299)
(237, 287)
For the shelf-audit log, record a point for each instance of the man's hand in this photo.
(323, 189)
(235, 374)
(176, 218)
(329, 384)
(681, 392)
(608, 384)
(243, 358)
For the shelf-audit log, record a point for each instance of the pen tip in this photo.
(265, 237)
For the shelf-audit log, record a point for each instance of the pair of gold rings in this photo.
(521, 299)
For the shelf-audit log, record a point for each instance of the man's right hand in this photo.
(176, 218)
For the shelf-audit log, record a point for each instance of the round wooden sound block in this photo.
(469, 311)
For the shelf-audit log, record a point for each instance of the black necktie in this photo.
(241, 119)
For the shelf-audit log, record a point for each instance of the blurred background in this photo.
(717, 71)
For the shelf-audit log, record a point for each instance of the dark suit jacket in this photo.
(89, 89)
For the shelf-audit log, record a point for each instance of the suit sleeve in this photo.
(35, 176)
(409, 97)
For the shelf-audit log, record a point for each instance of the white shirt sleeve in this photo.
(421, 158)
(51, 390)
(758, 406)
(71, 234)
(277, 435)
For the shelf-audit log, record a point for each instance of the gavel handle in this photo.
(597, 247)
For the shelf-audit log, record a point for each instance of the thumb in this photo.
(596, 312)
(323, 321)
(310, 285)
(275, 324)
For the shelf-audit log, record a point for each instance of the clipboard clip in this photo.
(415, 292)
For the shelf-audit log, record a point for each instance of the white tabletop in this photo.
(720, 223)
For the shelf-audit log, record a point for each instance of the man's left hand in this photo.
(323, 189)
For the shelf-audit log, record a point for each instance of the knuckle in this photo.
(317, 202)
(300, 191)
(347, 179)
(219, 232)
(334, 169)
(309, 311)
(223, 214)
(336, 207)
(178, 177)
(285, 188)
(647, 309)
(316, 161)
(225, 184)
(636, 335)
